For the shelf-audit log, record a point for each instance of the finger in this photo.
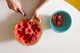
(36, 18)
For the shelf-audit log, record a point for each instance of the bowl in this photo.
(66, 21)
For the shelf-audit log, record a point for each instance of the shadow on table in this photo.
(7, 27)
(45, 21)
(30, 6)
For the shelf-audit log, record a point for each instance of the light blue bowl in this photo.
(66, 24)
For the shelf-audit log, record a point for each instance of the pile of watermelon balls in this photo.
(29, 32)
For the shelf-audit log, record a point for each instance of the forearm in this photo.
(10, 3)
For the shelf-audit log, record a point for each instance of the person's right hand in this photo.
(15, 5)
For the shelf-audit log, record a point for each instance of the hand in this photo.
(15, 6)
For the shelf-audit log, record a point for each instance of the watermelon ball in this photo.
(57, 20)
(28, 32)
